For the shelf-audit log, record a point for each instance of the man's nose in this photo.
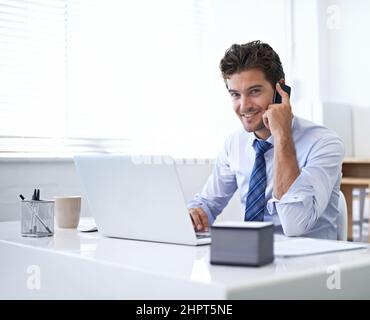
(245, 104)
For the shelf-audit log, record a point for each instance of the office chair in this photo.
(342, 218)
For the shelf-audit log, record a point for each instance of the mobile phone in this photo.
(277, 96)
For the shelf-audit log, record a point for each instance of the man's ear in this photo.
(282, 80)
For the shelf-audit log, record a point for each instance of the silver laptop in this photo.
(137, 197)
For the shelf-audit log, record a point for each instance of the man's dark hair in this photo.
(252, 55)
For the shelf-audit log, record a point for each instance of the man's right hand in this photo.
(199, 218)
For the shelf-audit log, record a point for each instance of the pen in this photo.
(36, 195)
(36, 215)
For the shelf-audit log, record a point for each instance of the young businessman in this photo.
(287, 169)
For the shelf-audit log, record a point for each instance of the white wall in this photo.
(348, 53)
(330, 67)
(330, 51)
(305, 74)
(345, 68)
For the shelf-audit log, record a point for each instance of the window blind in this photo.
(32, 68)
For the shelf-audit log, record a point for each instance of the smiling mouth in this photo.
(249, 115)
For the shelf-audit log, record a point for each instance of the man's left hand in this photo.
(278, 117)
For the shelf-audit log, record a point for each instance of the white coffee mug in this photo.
(67, 211)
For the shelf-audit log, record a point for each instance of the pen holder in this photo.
(37, 218)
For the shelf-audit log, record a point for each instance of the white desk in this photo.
(77, 265)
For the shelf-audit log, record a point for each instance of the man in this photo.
(287, 169)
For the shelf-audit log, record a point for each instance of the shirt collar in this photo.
(271, 138)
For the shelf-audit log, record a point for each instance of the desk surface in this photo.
(75, 265)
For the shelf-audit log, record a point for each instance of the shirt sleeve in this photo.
(218, 189)
(307, 198)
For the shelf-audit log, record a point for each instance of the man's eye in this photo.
(234, 94)
(254, 92)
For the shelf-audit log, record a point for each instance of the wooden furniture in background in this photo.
(356, 174)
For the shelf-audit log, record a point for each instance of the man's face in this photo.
(251, 95)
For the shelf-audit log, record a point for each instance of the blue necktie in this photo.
(255, 204)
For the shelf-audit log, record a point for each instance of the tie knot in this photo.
(261, 146)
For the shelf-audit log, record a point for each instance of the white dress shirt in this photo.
(309, 208)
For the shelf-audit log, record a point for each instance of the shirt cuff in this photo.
(271, 207)
(295, 194)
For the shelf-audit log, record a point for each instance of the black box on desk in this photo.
(242, 243)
